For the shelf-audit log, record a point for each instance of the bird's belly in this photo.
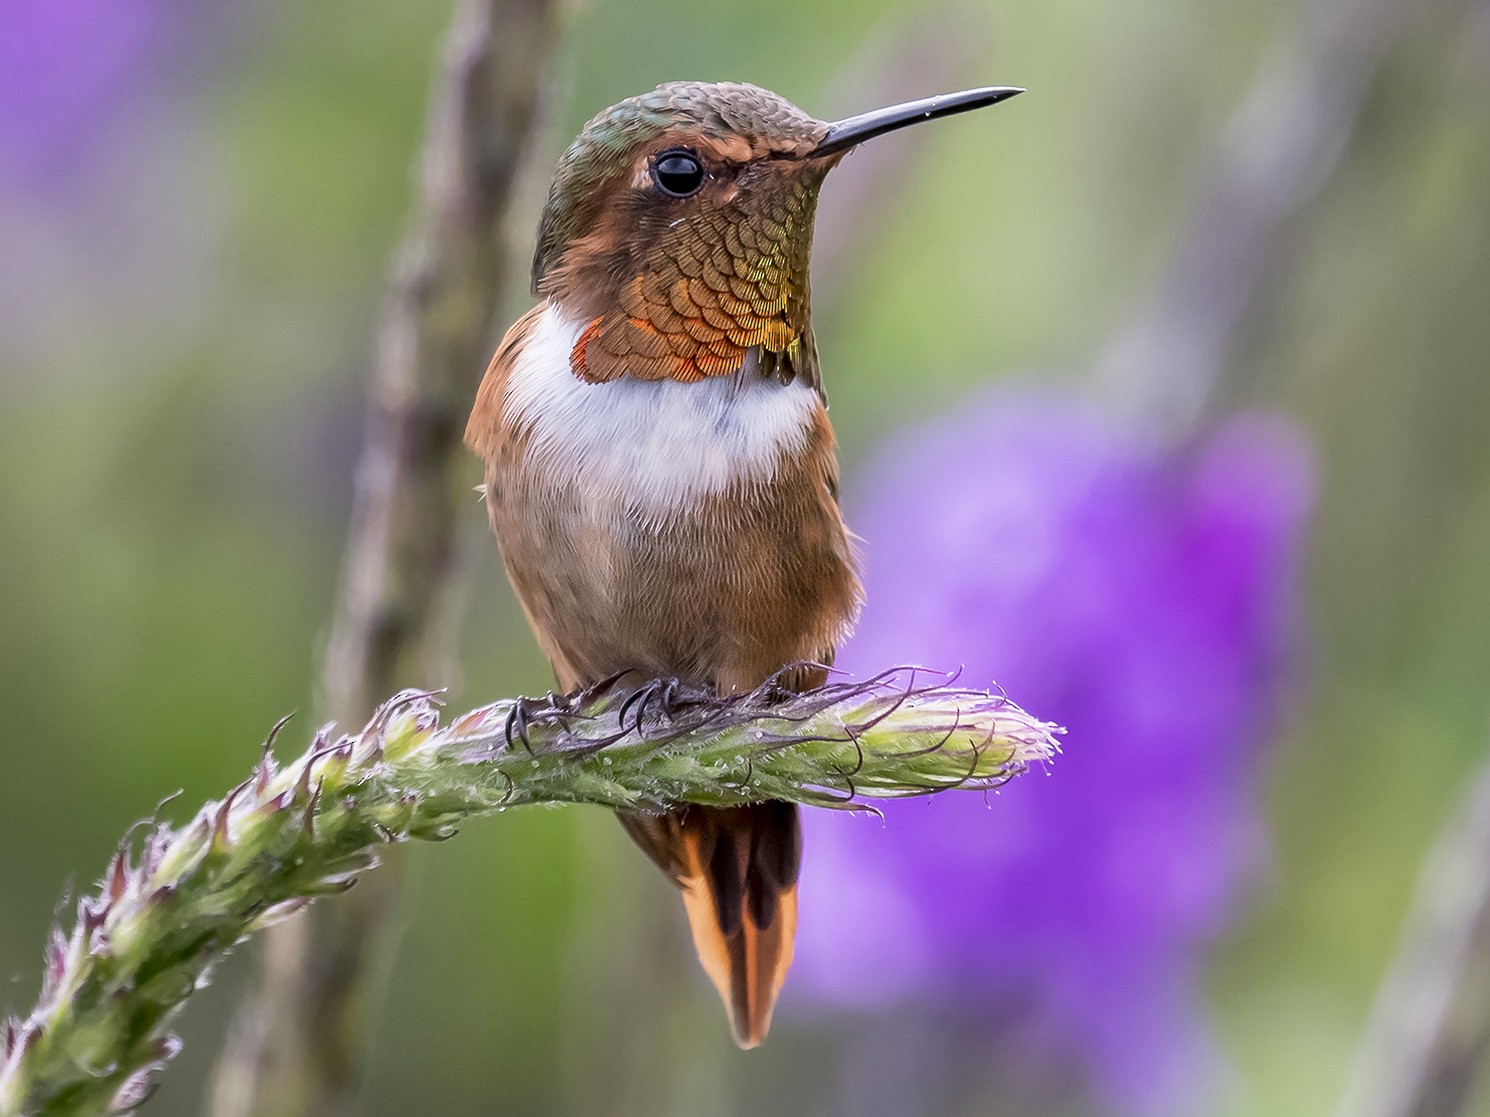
(685, 530)
(721, 595)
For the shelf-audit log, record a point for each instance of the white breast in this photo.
(654, 445)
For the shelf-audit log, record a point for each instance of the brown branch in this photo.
(435, 338)
(296, 1048)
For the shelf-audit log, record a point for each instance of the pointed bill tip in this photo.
(844, 134)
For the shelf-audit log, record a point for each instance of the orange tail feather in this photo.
(737, 868)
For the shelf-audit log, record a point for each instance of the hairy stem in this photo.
(174, 900)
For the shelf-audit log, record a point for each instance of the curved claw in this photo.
(670, 696)
(520, 717)
(638, 699)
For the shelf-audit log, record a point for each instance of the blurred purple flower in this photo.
(1143, 601)
(65, 69)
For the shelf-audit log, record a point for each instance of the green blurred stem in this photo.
(1428, 1037)
(296, 1046)
(173, 901)
(1175, 362)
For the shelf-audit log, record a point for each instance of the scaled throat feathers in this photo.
(681, 288)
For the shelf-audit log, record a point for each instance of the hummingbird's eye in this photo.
(678, 172)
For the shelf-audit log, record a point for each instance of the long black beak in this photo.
(844, 134)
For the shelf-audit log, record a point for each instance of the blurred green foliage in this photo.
(180, 405)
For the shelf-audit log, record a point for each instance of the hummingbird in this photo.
(660, 472)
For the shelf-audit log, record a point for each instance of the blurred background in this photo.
(1163, 399)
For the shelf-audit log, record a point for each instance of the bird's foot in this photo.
(668, 695)
(521, 716)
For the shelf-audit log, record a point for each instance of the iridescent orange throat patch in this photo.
(692, 328)
(701, 293)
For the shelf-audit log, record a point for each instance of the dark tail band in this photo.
(737, 868)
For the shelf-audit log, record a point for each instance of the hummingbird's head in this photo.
(679, 226)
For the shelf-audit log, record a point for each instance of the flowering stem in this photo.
(174, 901)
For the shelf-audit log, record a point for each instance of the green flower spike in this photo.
(174, 900)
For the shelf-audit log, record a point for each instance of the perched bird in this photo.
(660, 470)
